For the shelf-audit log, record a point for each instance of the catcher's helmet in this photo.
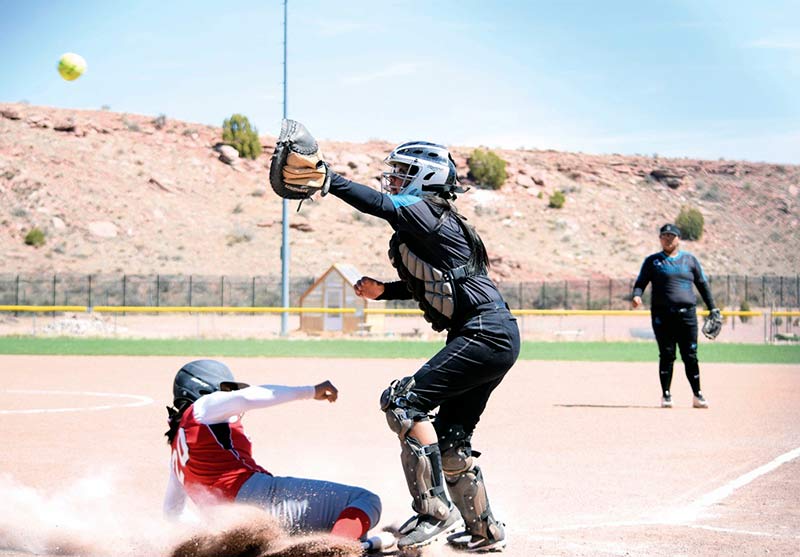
(202, 377)
(424, 168)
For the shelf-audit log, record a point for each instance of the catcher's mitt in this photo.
(713, 324)
(296, 169)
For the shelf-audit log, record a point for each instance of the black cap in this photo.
(670, 229)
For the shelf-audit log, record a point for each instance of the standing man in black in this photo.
(673, 309)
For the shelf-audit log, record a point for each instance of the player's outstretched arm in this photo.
(220, 406)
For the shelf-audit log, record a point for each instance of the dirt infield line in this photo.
(725, 491)
(139, 400)
(690, 513)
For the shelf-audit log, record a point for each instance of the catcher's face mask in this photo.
(395, 180)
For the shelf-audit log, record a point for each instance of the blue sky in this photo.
(697, 78)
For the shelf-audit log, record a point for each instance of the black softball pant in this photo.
(676, 326)
(460, 378)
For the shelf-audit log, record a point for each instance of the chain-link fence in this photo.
(731, 292)
(148, 290)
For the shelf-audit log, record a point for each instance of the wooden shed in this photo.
(334, 289)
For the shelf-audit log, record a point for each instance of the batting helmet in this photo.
(202, 377)
(424, 168)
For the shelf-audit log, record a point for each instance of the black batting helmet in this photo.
(202, 377)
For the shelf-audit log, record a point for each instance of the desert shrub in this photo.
(132, 126)
(237, 132)
(744, 306)
(557, 200)
(238, 235)
(690, 220)
(487, 169)
(160, 121)
(35, 237)
(713, 194)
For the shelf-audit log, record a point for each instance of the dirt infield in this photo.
(579, 459)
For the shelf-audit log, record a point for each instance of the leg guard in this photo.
(469, 495)
(465, 483)
(423, 469)
(422, 464)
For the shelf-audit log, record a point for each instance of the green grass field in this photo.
(283, 348)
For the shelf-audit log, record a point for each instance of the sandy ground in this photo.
(579, 459)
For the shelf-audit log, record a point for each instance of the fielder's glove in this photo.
(713, 324)
(297, 170)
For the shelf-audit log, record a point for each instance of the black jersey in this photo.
(416, 220)
(672, 278)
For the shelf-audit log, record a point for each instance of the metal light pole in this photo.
(285, 213)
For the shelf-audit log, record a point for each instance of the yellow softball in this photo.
(71, 66)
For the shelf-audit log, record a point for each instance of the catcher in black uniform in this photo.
(442, 265)
(673, 310)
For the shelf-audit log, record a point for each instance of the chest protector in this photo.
(433, 288)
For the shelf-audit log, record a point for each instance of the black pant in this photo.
(676, 326)
(462, 375)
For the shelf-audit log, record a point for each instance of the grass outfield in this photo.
(565, 351)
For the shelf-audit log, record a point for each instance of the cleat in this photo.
(408, 525)
(464, 541)
(425, 530)
(666, 401)
(699, 401)
(496, 542)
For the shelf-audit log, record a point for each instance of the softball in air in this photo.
(71, 66)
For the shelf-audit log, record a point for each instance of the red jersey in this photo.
(212, 459)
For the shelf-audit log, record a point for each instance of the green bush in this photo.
(557, 199)
(487, 169)
(690, 221)
(744, 306)
(237, 132)
(35, 237)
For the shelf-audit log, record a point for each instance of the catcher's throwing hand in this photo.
(636, 302)
(367, 287)
(297, 170)
(326, 391)
(713, 324)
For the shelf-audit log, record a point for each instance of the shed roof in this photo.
(348, 271)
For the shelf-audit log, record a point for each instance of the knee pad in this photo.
(469, 495)
(397, 401)
(457, 454)
(422, 465)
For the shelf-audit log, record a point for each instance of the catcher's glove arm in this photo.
(713, 324)
(297, 169)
